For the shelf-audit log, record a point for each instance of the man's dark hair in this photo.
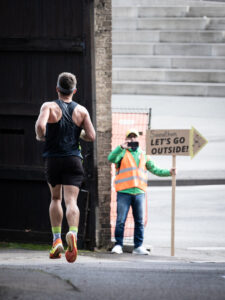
(66, 83)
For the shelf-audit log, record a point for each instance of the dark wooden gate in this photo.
(38, 40)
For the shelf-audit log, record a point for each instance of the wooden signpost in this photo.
(174, 142)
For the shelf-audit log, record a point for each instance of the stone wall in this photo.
(103, 65)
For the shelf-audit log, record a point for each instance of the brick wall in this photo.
(103, 65)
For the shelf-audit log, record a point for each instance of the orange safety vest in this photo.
(130, 175)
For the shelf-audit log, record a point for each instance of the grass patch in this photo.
(24, 246)
(37, 247)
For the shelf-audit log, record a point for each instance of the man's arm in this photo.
(151, 167)
(88, 132)
(40, 126)
(116, 155)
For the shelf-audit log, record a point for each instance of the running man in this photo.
(60, 124)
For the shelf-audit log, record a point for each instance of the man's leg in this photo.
(72, 211)
(55, 209)
(56, 216)
(138, 213)
(123, 205)
(72, 216)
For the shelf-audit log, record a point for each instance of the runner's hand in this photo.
(40, 139)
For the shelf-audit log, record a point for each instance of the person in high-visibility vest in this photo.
(132, 165)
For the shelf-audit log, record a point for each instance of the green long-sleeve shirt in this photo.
(118, 153)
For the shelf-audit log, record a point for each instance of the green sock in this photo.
(74, 229)
(56, 231)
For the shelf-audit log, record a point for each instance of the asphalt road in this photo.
(199, 217)
(196, 272)
(199, 222)
(31, 275)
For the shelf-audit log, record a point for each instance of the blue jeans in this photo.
(124, 201)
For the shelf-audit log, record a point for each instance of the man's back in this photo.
(62, 134)
(51, 113)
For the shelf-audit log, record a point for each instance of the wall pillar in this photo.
(103, 69)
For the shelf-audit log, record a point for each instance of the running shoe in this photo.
(57, 249)
(71, 252)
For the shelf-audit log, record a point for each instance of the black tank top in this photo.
(62, 138)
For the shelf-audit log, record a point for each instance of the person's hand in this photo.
(83, 135)
(124, 145)
(40, 139)
(173, 171)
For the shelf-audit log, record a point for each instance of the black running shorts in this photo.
(66, 170)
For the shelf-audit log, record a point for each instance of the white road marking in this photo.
(207, 248)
